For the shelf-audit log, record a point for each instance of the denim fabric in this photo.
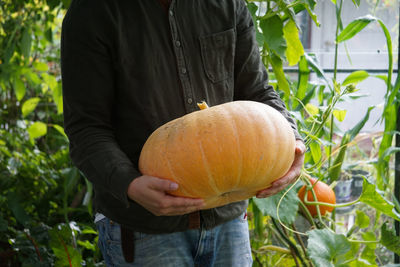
(226, 245)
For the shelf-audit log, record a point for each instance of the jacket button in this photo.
(190, 100)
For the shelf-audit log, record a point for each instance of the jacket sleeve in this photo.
(251, 77)
(88, 94)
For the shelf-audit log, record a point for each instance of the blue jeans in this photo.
(226, 245)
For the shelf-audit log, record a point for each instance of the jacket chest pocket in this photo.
(218, 54)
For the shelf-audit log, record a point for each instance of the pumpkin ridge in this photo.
(235, 132)
(208, 170)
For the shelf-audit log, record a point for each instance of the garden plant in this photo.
(45, 202)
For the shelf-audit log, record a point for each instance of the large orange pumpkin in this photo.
(223, 154)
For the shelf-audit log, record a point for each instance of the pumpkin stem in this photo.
(202, 105)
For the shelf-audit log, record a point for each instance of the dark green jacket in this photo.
(128, 66)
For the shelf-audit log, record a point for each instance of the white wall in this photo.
(367, 50)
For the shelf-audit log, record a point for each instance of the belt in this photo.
(127, 236)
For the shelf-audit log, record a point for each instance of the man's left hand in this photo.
(290, 176)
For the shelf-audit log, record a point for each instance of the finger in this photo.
(184, 202)
(162, 184)
(300, 147)
(171, 205)
(269, 192)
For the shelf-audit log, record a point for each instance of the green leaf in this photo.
(61, 242)
(303, 77)
(373, 197)
(326, 248)
(32, 77)
(29, 105)
(3, 224)
(294, 47)
(355, 77)
(287, 209)
(355, 27)
(58, 98)
(356, 129)
(362, 219)
(14, 204)
(368, 253)
(272, 29)
(390, 239)
(19, 88)
(26, 43)
(59, 129)
(277, 67)
(314, 64)
(334, 172)
(388, 152)
(316, 153)
(37, 129)
(40, 66)
(87, 245)
(339, 114)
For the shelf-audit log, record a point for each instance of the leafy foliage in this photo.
(45, 208)
(275, 221)
(36, 206)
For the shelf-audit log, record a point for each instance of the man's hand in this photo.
(151, 193)
(290, 176)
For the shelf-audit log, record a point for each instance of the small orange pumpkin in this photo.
(323, 192)
(223, 154)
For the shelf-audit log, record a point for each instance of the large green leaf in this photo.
(334, 172)
(315, 149)
(287, 209)
(15, 205)
(294, 47)
(390, 240)
(62, 244)
(58, 98)
(362, 219)
(26, 43)
(37, 129)
(272, 29)
(355, 27)
(19, 88)
(368, 254)
(326, 248)
(30, 105)
(60, 129)
(277, 67)
(355, 77)
(314, 64)
(372, 196)
(303, 77)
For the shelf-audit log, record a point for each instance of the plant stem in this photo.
(291, 245)
(274, 248)
(303, 247)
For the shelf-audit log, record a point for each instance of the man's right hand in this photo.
(151, 193)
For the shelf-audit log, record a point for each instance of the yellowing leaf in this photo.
(312, 110)
(294, 47)
(339, 114)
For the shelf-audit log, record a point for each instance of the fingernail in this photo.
(173, 186)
